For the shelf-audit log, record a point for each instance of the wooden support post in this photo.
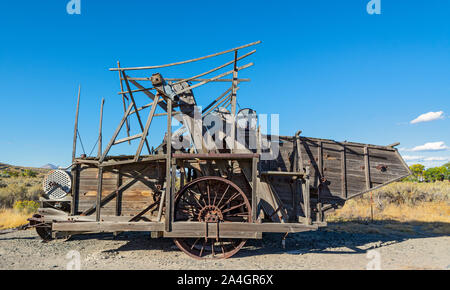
(306, 197)
(172, 190)
(99, 154)
(319, 216)
(119, 194)
(76, 168)
(320, 165)
(233, 103)
(320, 158)
(298, 148)
(113, 138)
(254, 189)
(147, 127)
(344, 172)
(368, 181)
(367, 167)
(135, 108)
(98, 204)
(297, 193)
(123, 100)
(75, 131)
(75, 182)
(112, 195)
(182, 175)
(216, 100)
(168, 214)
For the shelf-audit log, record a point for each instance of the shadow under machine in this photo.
(219, 181)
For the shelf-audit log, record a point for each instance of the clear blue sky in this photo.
(327, 67)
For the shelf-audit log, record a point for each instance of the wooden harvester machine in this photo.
(219, 182)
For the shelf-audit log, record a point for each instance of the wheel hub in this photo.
(210, 214)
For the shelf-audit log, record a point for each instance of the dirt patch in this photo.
(339, 246)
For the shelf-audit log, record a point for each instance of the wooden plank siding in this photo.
(132, 200)
(337, 170)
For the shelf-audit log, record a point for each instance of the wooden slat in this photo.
(110, 196)
(108, 226)
(194, 80)
(100, 137)
(282, 173)
(74, 149)
(99, 194)
(119, 194)
(205, 110)
(113, 139)
(147, 127)
(215, 69)
(306, 197)
(169, 213)
(75, 189)
(187, 61)
(214, 78)
(254, 189)
(124, 96)
(367, 168)
(136, 109)
(127, 139)
(343, 172)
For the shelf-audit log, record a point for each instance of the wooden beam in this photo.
(75, 187)
(118, 194)
(168, 214)
(113, 139)
(197, 229)
(99, 194)
(74, 148)
(110, 196)
(367, 168)
(123, 100)
(135, 91)
(394, 144)
(254, 189)
(142, 212)
(215, 78)
(163, 105)
(194, 80)
(282, 173)
(99, 153)
(187, 61)
(298, 145)
(226, 99)
(147, 127)
(136, 109)
(217, 68)
(306, 197)
(344, 171)
(217, 156)
(217, 99)
(108, 226)
(127, 139)
(130, 161)
(320, 167)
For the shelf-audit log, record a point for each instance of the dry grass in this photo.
(14, 189)
(10, 218)
(401, 206)
(424, 212)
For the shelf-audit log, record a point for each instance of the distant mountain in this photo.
(49, 166)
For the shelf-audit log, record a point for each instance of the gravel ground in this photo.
(335, 247)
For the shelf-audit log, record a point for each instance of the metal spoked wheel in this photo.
(211, 199)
